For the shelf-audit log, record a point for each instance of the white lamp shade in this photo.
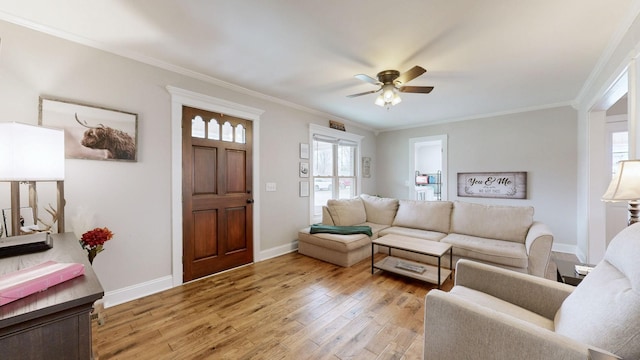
(31, 153)
(625, 184)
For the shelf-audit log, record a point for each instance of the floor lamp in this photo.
(29, 154)
(625, 186)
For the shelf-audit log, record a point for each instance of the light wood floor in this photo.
(289, 307)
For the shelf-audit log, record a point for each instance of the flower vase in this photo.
(91, 254)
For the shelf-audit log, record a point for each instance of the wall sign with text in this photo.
(506, 185)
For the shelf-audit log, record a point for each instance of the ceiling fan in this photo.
(390, 82)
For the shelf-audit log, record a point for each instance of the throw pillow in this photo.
(425, 215)
(379, 210)
(347, 212)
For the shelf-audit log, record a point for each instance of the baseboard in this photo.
(564, 248)
(117, 297)
(581, 256)
(277, 251)
(120, 296)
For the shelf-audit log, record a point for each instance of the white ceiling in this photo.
(483, 57)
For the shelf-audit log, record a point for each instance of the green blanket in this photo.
(341, 230)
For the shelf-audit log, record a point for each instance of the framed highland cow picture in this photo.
(91, 132)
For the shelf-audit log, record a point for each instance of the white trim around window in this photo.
(337, 135)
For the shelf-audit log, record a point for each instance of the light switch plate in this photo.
(270, 186)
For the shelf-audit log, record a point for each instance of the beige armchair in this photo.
(493, 313)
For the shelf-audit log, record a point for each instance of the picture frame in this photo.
(26, 219)
(304, 188)
(304, 169)
(304, 151)
(503, 185)
(337, 125)
(91, 132)
(366, 167)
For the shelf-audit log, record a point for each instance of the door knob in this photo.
(249, 201)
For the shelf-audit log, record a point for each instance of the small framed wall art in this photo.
(304, 151)
(304, 169)
(366, 167)
(304, 188)
(336, 125)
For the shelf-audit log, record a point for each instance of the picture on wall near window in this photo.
(92, 132)
(336, 125)
(304, 151)
(304, 169)
(304, 188)
(366, 167)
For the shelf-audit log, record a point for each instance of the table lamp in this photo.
(625, 186)
(31, 153)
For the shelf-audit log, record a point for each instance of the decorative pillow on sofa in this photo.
(510, 223)
(379, 210)
(425, 215)
(347, 212)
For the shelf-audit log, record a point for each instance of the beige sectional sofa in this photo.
(506, 236)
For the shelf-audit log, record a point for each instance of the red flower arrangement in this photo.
(93, 241)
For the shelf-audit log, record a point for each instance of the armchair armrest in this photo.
(459, 329)
(538, 243)
(533, 293)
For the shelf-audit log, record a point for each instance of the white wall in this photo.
(429, 157)
(134, 199)
(543, 143)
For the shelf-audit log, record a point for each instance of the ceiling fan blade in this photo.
(364, 93)
(413, 73)
(367, 78)
(416, 89)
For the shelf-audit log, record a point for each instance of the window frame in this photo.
(336, 136)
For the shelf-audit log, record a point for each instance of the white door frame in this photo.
(412, 163)
(593, 176)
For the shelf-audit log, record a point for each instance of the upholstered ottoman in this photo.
(343, 250)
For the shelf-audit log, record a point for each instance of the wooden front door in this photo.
(216, 191)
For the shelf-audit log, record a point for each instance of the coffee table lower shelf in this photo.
(430, 273)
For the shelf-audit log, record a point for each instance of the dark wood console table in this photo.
(55, 323)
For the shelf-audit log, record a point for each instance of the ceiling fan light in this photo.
(380, 100)
(388, 93)
(396, 99)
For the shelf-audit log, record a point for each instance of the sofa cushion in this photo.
(376, 229)
(341, 243)
(416, 233)
(604, 309)
(510, 223)
(347, 212)
(326, 217)
(425, 215)
(494, 251)
(380, 210)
